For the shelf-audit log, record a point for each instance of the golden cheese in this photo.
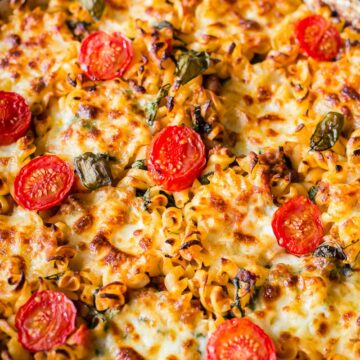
(152, 272)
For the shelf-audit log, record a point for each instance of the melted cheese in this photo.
(160, 266)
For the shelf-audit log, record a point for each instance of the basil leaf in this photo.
(79, 29)
(164, 24)
(139, 164)
(170, 199)
(200, 125)
(147, 200)
(327, 131)
(153, 107)
(237, 300)
(341, 272)
(254, 297)
(204, 180)
(55, 277)
(94, 170)
(330, 252)
(191, 64)
(95, 7)
(312, 193)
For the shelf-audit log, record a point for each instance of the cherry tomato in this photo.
(297, 226)
(80, 337)
(43, 182)
(104, 56)
(176, 157)
(15, 117)
(240, 339)
(318, 38)
(45, 320)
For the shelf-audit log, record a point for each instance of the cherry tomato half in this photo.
(176, 157)
(80, 337)
(15, 117)
(318, 38)
(240, 339)
(297, 226)
(104, 56)
(45, 320)
(43, 182)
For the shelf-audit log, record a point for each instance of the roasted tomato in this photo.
(176, 157)
(15, 117)
(43, 183)
(45, 320)
(240, 339)
(104, 56)
(80, 337)
(318, 38)
(297, 226)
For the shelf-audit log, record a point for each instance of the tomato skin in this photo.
(51, 172)
(80, 337)
(318, 38)
(104, 56)
(13, 106)
(45, 320)
(240, 339)
(297, 226)
(176, 157)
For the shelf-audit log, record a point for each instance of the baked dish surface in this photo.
(179, 180)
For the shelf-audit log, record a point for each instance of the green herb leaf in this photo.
(200, 125)
(55, 276)
(79, 29)
(153, 107)
(330, 252)
(94, 170)
(340, 272)
(191, 64)
(170, 199)
(237, 302)
(254, 297)
(164, 24)
(312, 193)
(95, 7)
(139, 164)
(204, 180)
(327, 131)
(146, 198)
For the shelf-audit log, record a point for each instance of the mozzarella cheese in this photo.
(152, 272)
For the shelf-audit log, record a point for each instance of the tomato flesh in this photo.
(240, 339)
(176, 157)
(45, 320)
(15, 117)
(80, 337)
(43, 182)
(318, 38)
(105, 57)
(297, 226)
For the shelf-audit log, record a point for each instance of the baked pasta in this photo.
(179, 180)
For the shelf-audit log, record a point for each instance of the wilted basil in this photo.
(164, 24)
(312, 193)
(139, 164)
(153, 107)
(200, 125)
(204, 179)
(330, 252)
(191, 64)
(327, 131)
(79, 30)
(95, 7)
(170, 199)
(93, 169)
